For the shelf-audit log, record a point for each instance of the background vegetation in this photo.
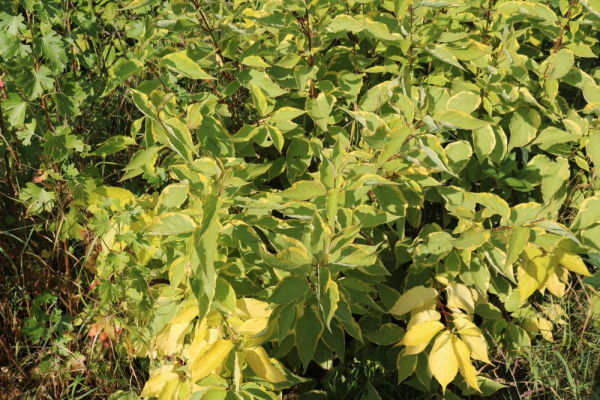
(249, 199)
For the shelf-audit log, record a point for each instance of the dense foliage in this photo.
(262, 190)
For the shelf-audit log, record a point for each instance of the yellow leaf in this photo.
(211, 359)
(545, 327)
(253, 326)
(464, 325)
(442, 360)
(199, 342)
(459, 296)
(187, 314)
(421, 333)
(555, 286)
(423, 316)
(413, 298)
(237, 370)
(409, 350)
(478, 347)
(169, 390)
(531, 276)
(262, 366)
(530, 252)
(155, 384)
(261, 337)
(463, 357)
(251, 308)
(417, 318)
(473, 338)
(170, 340)
(571, 261)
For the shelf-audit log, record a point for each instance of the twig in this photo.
(564, 27)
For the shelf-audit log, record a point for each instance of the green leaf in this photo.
(558, 64)
(291, 288)
(459, 119)
(13, 25)
(518, 239)
(259, 100)
(554, 178)
(180, 62)
(459, 153)
(386, 334)
(345, 23)
(484, 142)
(172, 196)
(434, 151)
(33, 82)
(589, 213)
(262, 80)
(171, 224)
(276, 137)
(298, 158)
(593, 6)
(442, 53)
(255, 61)
(120, 72)
(375, 97)
(413, 298)
(52, 47)
(523, 127)
(142, 102)
(203, 254)
(15, 109)
(308, 331)
(69, 99)
(592, 148)
(113, 145)
(551, 136)
(530, 9)
(180, 138)
(286, 114)
(304, 190)
(466, 102)
(329, 295)
(320, 108)
(471, 239)
(491, 201)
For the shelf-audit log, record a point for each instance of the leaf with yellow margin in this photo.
(413, 298)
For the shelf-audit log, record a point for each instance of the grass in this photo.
(45, 313)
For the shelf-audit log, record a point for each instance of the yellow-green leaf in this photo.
(181, 63)
(421, 333)
(572, 262)
(262, 365)
(210, 359)
(463, 356)
(413, 298)
(442, 360)
(155, 384)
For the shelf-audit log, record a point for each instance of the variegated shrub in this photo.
(308, 182)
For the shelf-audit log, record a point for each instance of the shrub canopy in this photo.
(264, 185)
